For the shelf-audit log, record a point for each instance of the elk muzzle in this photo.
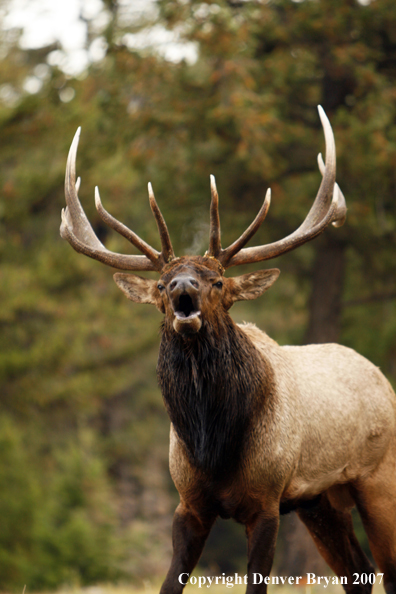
(185, 299)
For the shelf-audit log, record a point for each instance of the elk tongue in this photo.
(181, 315)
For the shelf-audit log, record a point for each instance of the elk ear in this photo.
(251, 285)
(138, 289)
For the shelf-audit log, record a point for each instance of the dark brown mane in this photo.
(211, 384)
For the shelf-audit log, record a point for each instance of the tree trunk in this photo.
(325, 303)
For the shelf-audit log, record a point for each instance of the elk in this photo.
(258, 429)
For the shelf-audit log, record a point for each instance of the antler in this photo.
(329, 207)
(77, 230)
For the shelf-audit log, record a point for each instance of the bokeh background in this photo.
(171, 91)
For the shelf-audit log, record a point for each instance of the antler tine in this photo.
(120, 261)
(329, 207)
(167, 253)
(77, 230)
(342, 207)
(214, 231)
(123, 230)
(325, 192)
(226, 254)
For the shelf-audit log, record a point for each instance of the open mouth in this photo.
(186, 309)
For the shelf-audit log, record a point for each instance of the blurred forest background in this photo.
(85, 492)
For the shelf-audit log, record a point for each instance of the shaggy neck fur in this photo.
(213, 384)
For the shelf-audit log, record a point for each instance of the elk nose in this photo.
(183, 283)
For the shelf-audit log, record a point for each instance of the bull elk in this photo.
(258, 429)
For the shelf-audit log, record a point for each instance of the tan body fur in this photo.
(336, 427)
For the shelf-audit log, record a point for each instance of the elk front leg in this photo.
(189, 533)
(261, 533)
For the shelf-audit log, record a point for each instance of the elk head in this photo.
(192, 288)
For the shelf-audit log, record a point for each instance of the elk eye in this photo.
(219, 284)
(160, 287)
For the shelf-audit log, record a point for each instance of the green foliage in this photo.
(57, 523)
